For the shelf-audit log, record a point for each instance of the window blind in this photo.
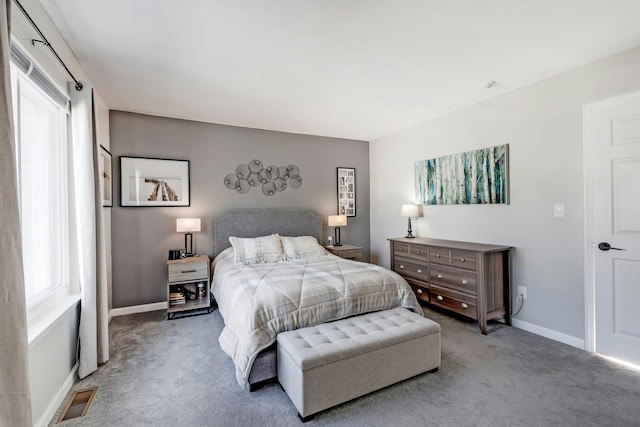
(24, 62)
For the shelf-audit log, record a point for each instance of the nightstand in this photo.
(346, 251)
(188, 285)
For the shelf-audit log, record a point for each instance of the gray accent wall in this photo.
(542, 123)
(142, 237)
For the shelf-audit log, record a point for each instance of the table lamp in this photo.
(188, 226)
(337, 221)
(410, 211)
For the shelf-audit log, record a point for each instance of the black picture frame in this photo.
(346, 191)
(154, 182)
(105, 171)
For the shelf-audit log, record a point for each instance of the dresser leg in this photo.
(483, 328)
(307, 418)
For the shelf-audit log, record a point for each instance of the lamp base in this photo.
(188, 244)
(409, 232)
(337, 241)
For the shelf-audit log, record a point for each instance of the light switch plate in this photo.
(558, 210)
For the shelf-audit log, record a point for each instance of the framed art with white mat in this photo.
(346, 191)
(154, 182)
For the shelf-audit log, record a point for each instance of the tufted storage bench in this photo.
(324, 365)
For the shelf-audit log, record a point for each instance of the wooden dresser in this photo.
(472, 279)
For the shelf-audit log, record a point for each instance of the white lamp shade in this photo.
(337, 220)
(410, 211)
(187, 225)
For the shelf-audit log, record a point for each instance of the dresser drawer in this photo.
(410, 268)
(455, 301)
(401, 249)
(421, 292)
(462, 259)
(419, 252)
(439, 256)
(188, 271)
(452, 278)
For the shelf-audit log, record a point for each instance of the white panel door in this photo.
(613, 173)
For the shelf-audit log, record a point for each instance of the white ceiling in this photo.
(356, 69)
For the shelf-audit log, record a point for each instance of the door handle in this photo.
(605, 246)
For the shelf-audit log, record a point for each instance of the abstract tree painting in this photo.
(474, 177)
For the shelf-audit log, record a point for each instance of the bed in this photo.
(261, 293)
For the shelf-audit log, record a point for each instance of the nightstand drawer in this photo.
(346, 252)
(351, 254)
(455, 301)
(187, 271)
(451, 278)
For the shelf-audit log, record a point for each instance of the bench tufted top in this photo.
(331, 342)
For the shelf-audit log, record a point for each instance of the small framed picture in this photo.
(154, 182)
(106, 177)
(346, 191)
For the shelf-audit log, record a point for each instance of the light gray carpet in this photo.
(173, 373)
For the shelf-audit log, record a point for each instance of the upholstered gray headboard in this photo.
(261, 222)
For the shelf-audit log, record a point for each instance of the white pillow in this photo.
(256, 250)
(302, 247)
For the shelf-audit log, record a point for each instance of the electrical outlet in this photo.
(522, 290)
(558, 210)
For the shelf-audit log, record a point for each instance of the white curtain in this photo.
(15, 399)
(93, 336)
(102, 292)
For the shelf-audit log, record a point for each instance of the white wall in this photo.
(51, 366)
(542, 123)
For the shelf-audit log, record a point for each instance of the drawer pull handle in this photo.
(439, 276)
(188, 271)
(419, 271)
(465, 305)
(401, 266)
(399, 249)
(462, 259)
(439, 298)
(419, 291)
(417, 252)
(464, 282)
(438, 256)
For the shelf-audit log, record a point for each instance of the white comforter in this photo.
(259, 301)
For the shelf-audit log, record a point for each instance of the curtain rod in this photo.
(45, 42)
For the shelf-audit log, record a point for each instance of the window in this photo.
(40, 124)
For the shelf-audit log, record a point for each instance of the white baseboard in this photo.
(53, 406)
(548, 333)
(122, 311)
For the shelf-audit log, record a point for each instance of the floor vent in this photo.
(78, 404)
